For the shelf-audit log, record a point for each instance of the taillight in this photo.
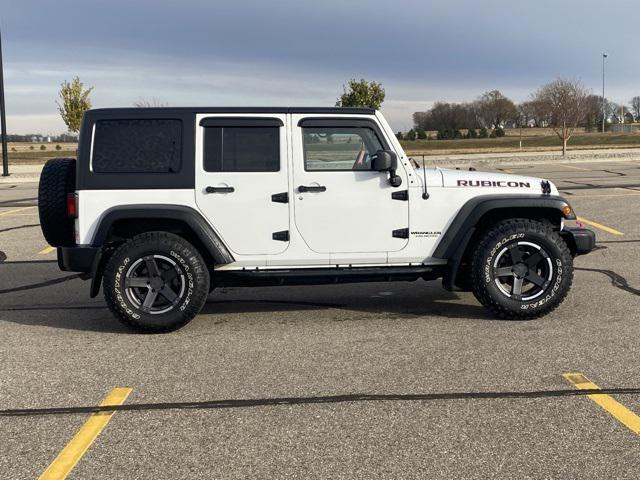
(72, 205)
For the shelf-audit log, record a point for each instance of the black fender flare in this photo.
(454, 241)
(189, 216)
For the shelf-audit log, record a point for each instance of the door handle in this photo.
(219, 190)
(304, 188)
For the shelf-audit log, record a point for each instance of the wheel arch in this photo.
(483, 211)
(126, 221)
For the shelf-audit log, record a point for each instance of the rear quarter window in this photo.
(137, 146)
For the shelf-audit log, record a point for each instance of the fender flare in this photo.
(453, 243)
(191, 217)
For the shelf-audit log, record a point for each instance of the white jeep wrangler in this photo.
(165, 204)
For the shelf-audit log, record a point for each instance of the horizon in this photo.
(292, 53)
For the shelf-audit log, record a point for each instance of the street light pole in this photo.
(3, 119)
(604, 55)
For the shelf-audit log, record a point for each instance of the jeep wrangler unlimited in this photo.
(165, 204)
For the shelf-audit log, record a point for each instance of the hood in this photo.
(491, 181)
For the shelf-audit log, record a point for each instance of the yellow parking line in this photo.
(46, 250)
(80, 443)
(15, 211)
(616, 409)
(604, 228)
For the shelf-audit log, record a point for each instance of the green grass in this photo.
(511, 143)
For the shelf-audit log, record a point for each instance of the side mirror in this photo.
(387, 161)
(384, 161)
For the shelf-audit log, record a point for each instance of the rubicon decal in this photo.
(493, 183)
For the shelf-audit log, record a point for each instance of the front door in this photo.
(341, 206)
(241, 165)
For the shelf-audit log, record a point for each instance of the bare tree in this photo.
(564, 101)
(635, 108)
(495, 109)
(618, 113)
(152, 102)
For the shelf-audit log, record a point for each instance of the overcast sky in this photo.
(299, 52)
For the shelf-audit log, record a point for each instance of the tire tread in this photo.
(56, 181)
(162, 239)
(507, 227)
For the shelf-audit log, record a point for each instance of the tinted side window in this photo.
(137, 146)
(339, 148)
(241, 149)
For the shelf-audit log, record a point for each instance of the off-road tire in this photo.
(58, 178)
(518, 232)
(191, 271)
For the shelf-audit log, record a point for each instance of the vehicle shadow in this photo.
(395, 300)
(51, 298)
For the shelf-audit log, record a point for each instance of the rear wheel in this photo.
(156, 282)
(521, 269)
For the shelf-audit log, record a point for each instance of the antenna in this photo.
(425, 194)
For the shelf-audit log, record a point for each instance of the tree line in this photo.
(493, 110)
(562, 105)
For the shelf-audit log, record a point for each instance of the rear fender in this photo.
(192, 223)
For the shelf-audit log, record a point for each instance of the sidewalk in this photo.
(22, 174)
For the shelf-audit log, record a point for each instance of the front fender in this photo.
(454, 241)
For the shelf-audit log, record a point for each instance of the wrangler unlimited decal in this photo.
(493, 183)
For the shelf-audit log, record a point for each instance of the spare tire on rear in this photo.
(57, 180)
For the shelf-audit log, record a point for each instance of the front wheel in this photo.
(521, 269)
(156, 282)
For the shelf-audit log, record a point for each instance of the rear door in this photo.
(241, 174)
(341, 206)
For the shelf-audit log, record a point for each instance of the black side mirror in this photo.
(387, 161)
(384, 161)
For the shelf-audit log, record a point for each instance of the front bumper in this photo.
(77, 259)
(580, 240)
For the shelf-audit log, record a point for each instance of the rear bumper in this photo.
(580, 240)
(77, 259)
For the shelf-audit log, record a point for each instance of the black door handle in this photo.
(303, 188)
(219, 189)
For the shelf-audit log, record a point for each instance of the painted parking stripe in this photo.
(47, 250)
(599, 226)
(607, 402)
(16, 210)
(68, 458)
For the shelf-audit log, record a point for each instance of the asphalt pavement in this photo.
(397, 380)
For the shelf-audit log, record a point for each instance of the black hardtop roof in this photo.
(187, 110)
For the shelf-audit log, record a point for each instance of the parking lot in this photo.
(399, 380)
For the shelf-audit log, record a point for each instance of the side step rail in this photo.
(317, 276)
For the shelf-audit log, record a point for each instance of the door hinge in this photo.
(401, 233)
(282, 236)
(280, 197)
(401, 195)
